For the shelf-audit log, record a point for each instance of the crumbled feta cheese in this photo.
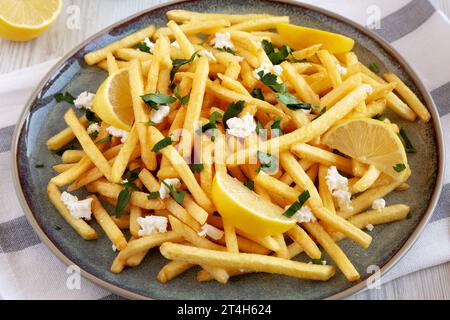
(208, 54)
(239, 58)
(241, 127)
(157, 116)
(211, 231)
(324, 262)
(338, 186)
(84, 100)
(304, 215)
(262, 67)
(78, 208)
(370, 227)
(115, 132)
(151, 224)
(379, 204)
(114, 248)
(368, 88)
(149, 44)
(278, 70)
(342, 70)
(164, 192)
(222, 40)
(94, 127)
(175, 44)
(124, 181)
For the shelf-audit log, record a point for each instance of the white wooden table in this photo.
(433, 283)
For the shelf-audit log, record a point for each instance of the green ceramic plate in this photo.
(42, 118)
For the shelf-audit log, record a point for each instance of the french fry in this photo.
(135, 212)
(141, 116)
(330, 64)
(65, 136)
(72, 156)
(184, 15)
(124, 155)
(230, 237)
(381, 92)
(60, 168)
(246, 261)
(172, 270)
(258, 24)
(129, 41)
(194, 27)
(305, 242)
(104, 220)
(79, 225)
(87, 144)
(120, 64)
(334, 251)
(184, 171)
(306, 53)
(142, 244)
(302, 88)
(409, 96)
(153, 71)
(178, 211)
(367, 180)
(324, 191)
(111, 64)
(137, 259)
(195, 210)
(341, 91)
(184, 43)
(130, 54)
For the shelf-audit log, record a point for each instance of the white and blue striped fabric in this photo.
(415, 28)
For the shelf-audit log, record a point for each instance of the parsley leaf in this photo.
(249, 184)
(276, 125)
(92, 117)
(227, 49)
(267, 161)
(276, 57)
(319, 261)
(122, 201)
(153, 195)
(400, 167)
(374, 67)
(196, 167)
(259, 127)
(141, 46)
(154, 100)
(271, 81)
(61, 151)
(178, 63)
(297, 205)
(380, 117)
(408, 144)
(39, 165)
(66, 96)
(167, 141)
(257, 93)
(183, 100)
(177, 195)
(304, 197)
(322, 112)
(93, 134)
(293, 103)
(105, 139)
(212, 122)
(132, 175)
(233, 110)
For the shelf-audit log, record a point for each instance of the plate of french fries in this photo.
(201, 150)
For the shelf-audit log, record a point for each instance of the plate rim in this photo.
(378, 39)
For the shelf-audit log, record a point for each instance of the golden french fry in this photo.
(330, 64)
(172, 270)
(306, 52)
(184, 43)
(230, 237)
(79, 225)
(65, 136)
(302, 88)
(184, 15)
(246, 261)
(195, 210)
(72, 156)
(324, 191)
(135, 212)
(305, 242)
(104, 220)
(111, 64)
(124, 156)
(259, 24)
(181, 213)
(128, 54)
(60, 168)
(129, 41)
(341, 91)
(367, 180)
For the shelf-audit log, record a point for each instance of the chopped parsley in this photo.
(257, 94)
(400, 167)
(154, 100)
(196, 167)
(259, 127)
(105, 139)
(61, 151)
(39, 165)
(91, 116)
(268, 162)
(142, 46)
(177, 195)
(178, 63)
(297, 205)
(374, 67)
(227, 49)
(293, 103)
(125, 195)
(249, 184)
(233, 110)
(276, 56)
(153, 195)
(183, 100)
(319, 261)
(271, 81)
(66, 96)
(380, 117)
(276, 125)
(409, 147)
(167, 141)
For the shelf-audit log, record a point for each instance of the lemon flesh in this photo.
(301, 37)
(113, 103)
(246, 210)
(371, 142)
(22, 20)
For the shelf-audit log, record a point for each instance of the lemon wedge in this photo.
(371, 142)
(301, 37)
(246, 210)
(112, 102)
(22, 20)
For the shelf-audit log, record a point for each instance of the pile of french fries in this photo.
(312, 76)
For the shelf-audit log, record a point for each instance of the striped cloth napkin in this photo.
(415, 28)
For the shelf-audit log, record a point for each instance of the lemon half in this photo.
(22, 20)
(246, 210)
(371, 142)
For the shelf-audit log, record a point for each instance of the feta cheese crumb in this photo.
(157, 116)
(278, 70)
(208, 54)
(222, 40)
(164, 192)
(379, 204)
(115, 132)
(241, 127)
(262, 67)
(78, 208)
(338, 186)
(149, 44)
(151, 224)
(211, 231)
(304, 215)
(368, 88)
(114, 248)
(94, 127)
(175, 44)
(370, 227)
(324, 262)
(342, 70)
(84, 100)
